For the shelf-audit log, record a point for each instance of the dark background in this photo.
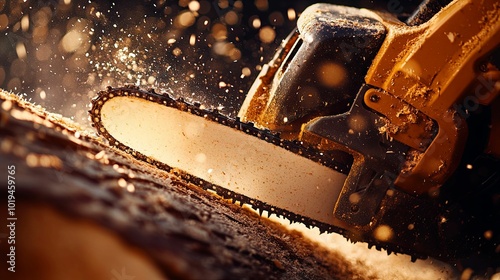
(59, 53)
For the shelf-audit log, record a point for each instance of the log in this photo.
(85, 210)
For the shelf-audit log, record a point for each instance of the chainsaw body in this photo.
(400, 100)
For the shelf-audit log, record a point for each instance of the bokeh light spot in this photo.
(194, 6)
(231, 18)
(331, 74)
(4, 22)
(184, 19)
(267, 34)
(74, 41)
(21, 50)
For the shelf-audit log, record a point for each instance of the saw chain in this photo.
(296, 147)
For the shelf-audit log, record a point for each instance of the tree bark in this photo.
(88, 211)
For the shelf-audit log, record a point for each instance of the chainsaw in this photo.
(384, 131)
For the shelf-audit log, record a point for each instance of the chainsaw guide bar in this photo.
(319, 158)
